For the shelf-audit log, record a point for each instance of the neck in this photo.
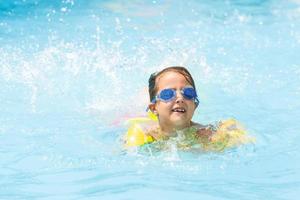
(170, 131)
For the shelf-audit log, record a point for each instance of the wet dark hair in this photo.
(152, 85)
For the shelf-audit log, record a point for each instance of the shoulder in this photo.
(206, 131)
(155, 132)
(198, 125)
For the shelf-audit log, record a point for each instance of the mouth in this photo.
(179, 110)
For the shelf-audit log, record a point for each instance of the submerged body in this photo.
(225, 134)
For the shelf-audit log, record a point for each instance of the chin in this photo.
(179, 124)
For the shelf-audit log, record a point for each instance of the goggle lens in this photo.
(167, 94)
(189, 93)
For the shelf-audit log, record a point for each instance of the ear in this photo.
(152, 107)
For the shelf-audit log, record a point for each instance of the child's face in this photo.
(169, 117)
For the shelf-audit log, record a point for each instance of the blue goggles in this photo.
(167, 95)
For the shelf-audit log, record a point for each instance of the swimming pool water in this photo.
(72, 71)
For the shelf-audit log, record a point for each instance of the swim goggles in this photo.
(167, 95)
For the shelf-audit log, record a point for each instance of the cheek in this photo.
(192, 107)
(163, 108)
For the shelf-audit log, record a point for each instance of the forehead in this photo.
(171, 79)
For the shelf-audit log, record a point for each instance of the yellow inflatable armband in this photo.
(230, 133)
(135, 135)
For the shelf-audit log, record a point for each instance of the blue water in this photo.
(71, 71)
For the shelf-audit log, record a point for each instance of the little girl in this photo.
(173, 100)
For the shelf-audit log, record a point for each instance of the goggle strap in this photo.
(196, 100)
(154, 100)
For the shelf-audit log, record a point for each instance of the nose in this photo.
(179, 97)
